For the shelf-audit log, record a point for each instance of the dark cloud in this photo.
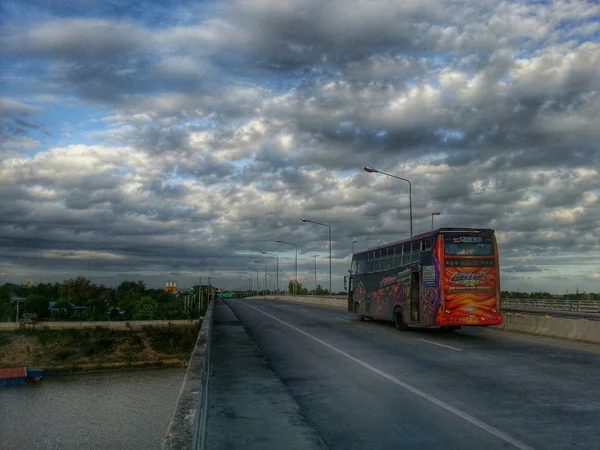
(216, 127)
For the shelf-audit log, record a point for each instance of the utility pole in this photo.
(200, 296)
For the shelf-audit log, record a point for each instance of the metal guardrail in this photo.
(580, 306)
(554, 313)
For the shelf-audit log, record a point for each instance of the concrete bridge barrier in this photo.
(572, 328)
(187, 428)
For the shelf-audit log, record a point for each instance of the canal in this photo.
(116, 410)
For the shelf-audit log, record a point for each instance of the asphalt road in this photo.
(365, 385)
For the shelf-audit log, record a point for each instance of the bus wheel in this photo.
(361, 318)
(399, 321)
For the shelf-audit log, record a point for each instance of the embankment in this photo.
(110, 325)
(97, 349)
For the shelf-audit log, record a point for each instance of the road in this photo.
(365, 385)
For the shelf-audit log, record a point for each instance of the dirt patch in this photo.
(19, 352)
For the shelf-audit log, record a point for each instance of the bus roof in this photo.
(429, 234)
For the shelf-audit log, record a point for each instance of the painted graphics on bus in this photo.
(470, 282)
(379, 292)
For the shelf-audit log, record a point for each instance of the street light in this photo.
(272, 254)
(315, 256)
(296, 264)
(249, 281)
(261, 262)
(325, 225)
(371, 170)
(434, 214)
(254, 268)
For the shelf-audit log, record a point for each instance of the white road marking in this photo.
(441, 345)
(343, 320)
(463, 415)
(305, 310)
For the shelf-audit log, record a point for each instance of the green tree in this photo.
(76, 291)
(144, 308)
(299, 289)
(321, 291)
(62, 310)
(36, 304)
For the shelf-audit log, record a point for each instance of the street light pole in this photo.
(200, 296)
(254, 268)
(371, 170)
(261, 262)
(353, 242)
(433, 214)
(315, 256)
(271, 254)
(325, 225)
(296, 263)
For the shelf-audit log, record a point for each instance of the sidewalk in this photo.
(248, 406)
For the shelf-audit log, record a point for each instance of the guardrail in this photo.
(554, 313)
(583, 306)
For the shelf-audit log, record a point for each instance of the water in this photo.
(119, 410)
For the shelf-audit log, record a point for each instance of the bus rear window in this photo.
(468, 245)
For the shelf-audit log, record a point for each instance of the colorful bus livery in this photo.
(445, 278)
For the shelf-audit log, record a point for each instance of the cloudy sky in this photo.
(171, 139)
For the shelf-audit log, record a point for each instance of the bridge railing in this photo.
(581, 306)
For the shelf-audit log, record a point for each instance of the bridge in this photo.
(302, 373)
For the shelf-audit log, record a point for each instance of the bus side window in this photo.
(415, 253)
(397, 256)
(427, 245)
(370, 267)
(405, 254)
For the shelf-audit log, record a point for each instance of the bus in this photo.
(446, 278)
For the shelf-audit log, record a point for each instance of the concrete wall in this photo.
(187, 428)
(117, 325)
(310, 300)
(559, 327)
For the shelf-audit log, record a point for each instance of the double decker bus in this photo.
(445, 278)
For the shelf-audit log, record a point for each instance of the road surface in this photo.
(364, 385)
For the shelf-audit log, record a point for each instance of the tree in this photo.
(321, 291)
(76, 291)
(144, 308)
(36, 304)
(62, 310)
(299, 289)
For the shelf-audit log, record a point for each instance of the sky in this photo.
(168, 140)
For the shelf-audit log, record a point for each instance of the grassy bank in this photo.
(96, 349)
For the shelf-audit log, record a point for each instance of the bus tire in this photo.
(361, 318)
(399, 320)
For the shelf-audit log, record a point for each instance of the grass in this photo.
(96, 347)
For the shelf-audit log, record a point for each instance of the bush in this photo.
(61, 355)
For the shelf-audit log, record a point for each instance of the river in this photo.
(115, 410)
